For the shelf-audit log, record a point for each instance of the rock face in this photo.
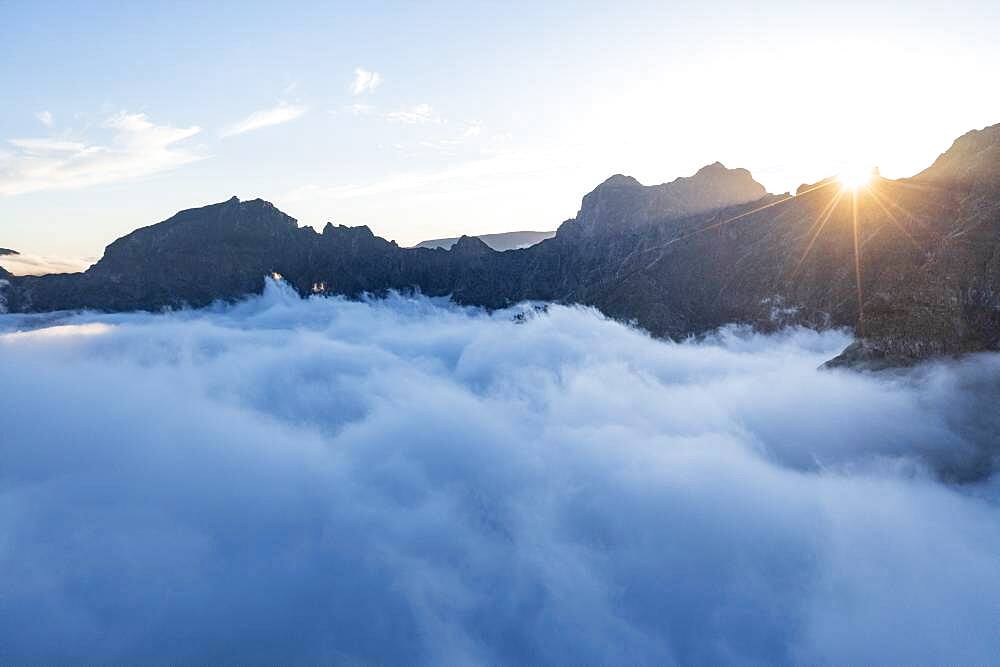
(502, 241)
(913, 266)
(622, 203)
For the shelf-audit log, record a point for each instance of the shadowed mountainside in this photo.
(912, 265)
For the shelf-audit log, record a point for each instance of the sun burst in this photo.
(855, 178)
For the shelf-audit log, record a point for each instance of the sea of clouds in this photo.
(406, 481)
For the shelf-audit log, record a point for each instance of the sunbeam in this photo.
(727, 221)
(820, 223)
(877, 198)
(857, 262)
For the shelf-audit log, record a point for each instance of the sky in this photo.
(436, 119)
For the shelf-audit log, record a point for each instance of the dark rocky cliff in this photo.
(913, 266)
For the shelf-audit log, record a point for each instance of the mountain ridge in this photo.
(915, 274)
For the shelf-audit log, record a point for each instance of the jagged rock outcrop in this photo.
(913, 266)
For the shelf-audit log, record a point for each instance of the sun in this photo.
(854, 178)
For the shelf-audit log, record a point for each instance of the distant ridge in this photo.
(8, 251)
(502, 241)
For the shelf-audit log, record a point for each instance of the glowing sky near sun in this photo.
(433, 120)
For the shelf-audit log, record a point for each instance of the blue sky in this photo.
(441, 118)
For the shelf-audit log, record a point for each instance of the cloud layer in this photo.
(408, 481)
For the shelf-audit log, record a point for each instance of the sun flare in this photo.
(855, 178)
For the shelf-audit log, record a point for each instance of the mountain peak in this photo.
(471, 246)
(343, 231)
(715, 166)
(623, 202)
(621, 180)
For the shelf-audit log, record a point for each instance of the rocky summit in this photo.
(911, 265)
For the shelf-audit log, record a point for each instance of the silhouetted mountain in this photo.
(913, 265)
(622, 203)
(502, 241)
(8, 251)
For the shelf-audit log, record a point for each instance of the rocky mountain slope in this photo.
(913, 265)
(502, 241)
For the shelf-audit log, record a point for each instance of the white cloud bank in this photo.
(365, 81)
(137, 147)
(282, 113)
(400, 481)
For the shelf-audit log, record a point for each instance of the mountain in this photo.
(912, 265)
(8, 251)
(622, 203)
(501, 242)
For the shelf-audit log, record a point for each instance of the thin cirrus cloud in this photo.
(478, 173)
(45, 118)
(365, 81)
(136, 147)
(417, 114)
(360, 109)
(282, 113)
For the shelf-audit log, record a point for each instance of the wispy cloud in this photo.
(45, 118)
(44, 145)
(282, 113)
(360, 109)
(365, 81)
(137, 147)
(464, 175)
(421, 113)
